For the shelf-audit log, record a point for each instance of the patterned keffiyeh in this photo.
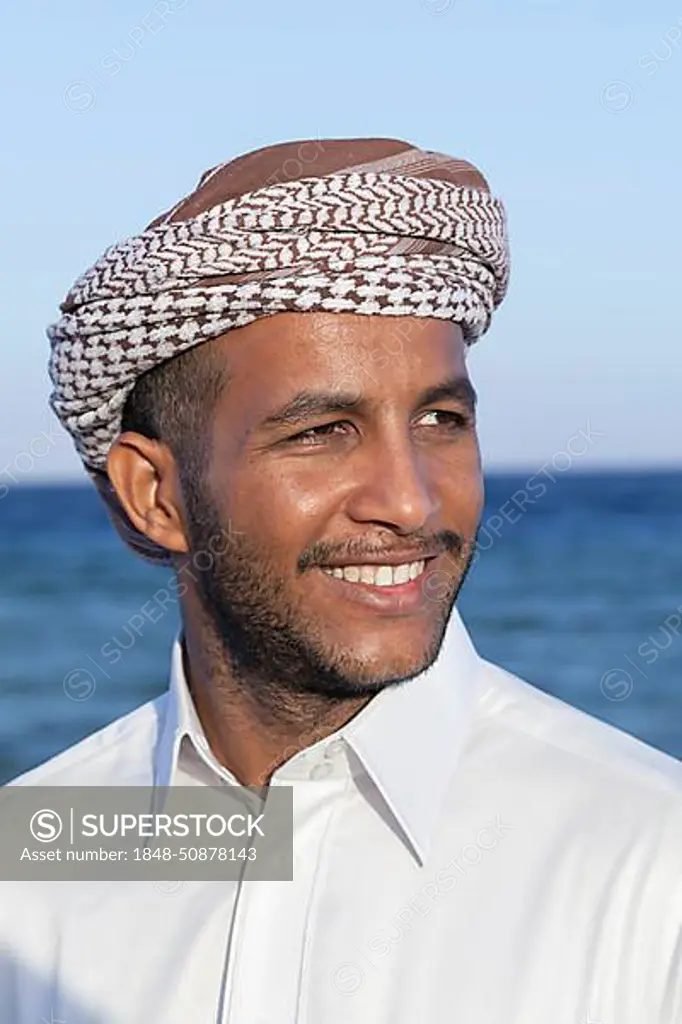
(368, 226)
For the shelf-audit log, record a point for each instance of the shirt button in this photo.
(334, 749)
(321, 771)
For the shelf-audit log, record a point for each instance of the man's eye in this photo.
(314, 435)
(449, 419)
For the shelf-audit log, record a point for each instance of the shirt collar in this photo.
(408, 738)
(180, 722)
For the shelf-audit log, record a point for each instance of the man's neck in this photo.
(251, 730)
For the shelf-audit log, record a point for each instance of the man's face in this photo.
(342, 441)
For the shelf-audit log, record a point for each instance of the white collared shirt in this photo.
(466, 849)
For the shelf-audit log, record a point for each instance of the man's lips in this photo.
(391, 599)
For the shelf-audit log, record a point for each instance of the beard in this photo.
(273, 643)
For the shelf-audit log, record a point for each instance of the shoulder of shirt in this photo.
(119, 754)
(556, 730)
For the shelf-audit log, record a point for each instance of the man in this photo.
(269, 386)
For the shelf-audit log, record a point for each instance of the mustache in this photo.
(447, 541)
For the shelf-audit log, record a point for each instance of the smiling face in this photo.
(343, 446)
(334, 518)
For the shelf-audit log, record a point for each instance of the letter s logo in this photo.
(46, 826)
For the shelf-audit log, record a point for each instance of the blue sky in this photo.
(110, 113)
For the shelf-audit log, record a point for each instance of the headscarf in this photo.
(366, 226)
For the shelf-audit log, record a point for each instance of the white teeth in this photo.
(384, 576)
(378, 575)
(401, 574)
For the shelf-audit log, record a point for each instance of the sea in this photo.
(577, 588)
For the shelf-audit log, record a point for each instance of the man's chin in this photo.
(374, 666)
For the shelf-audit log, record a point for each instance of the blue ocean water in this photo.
(579, 592)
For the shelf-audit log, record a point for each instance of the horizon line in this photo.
(607, 469)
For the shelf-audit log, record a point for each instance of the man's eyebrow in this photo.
(307, 404)
(453, 389)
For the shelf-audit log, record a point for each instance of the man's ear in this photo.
(144, 475)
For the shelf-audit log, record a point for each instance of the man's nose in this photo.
(395, 487)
